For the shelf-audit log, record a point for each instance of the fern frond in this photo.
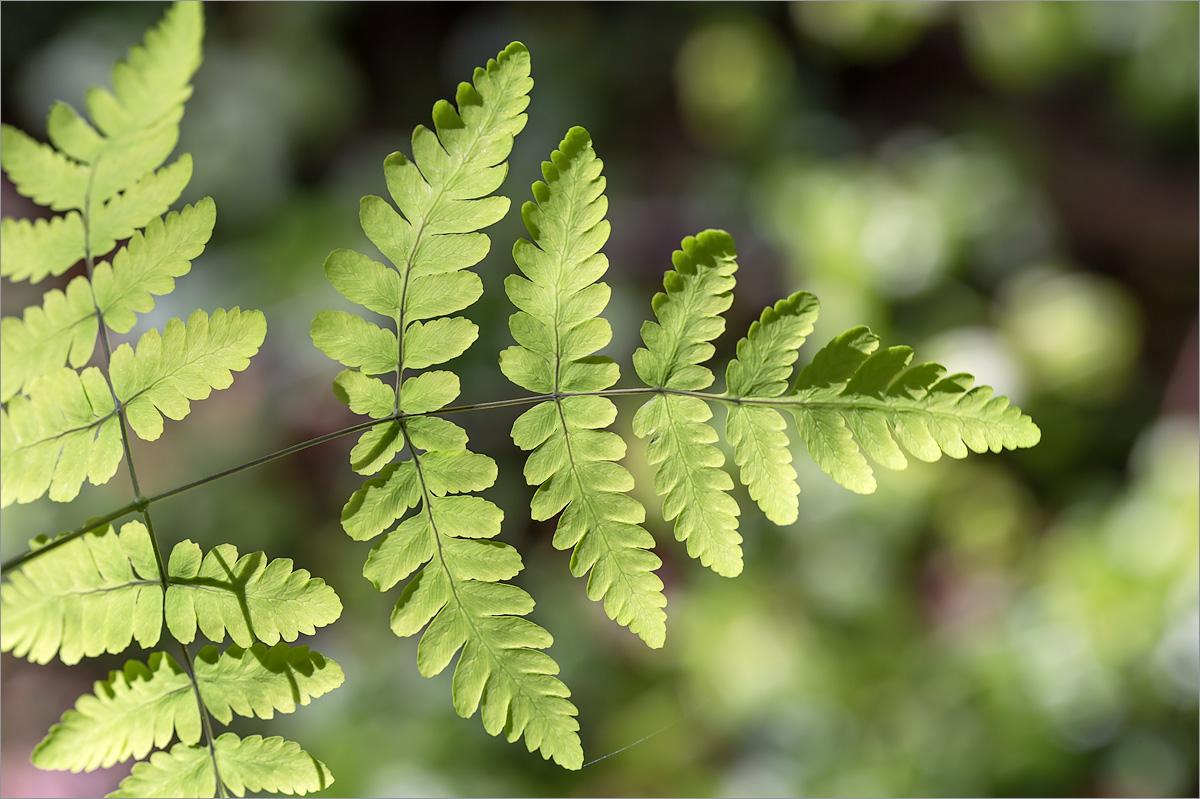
(254, 763)
(150, 263)
(61, 330)
(137, 709)
(183, 363)
(92, 595)
(64, 432)
(247, 597)
(457, 591)
(441, 195)
(853, 399)
(261, 680)
(143, 706)
(557, 331)
(34, 249)
(108, 175)
(762, 369)
(689, 475)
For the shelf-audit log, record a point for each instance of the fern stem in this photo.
(144, 502)
(206, 721)
(533, 399)
(106, 345)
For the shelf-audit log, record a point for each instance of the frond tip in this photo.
(854, 399)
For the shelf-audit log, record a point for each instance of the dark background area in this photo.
(1010, 188)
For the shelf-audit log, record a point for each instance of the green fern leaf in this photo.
(355, 342)
(41, 173)
(441, 197)
(762, 370)
(153, 83)
(557, 330)
(254, 763)
(247, 597)
(185, 362)
(689, 475)
(62, 330)
(457, 590)
(92, 595)
(108, 175)
(261, 680)
(135, 710)
(853, 399)
(64, 432)
(186, 770)
(147, 199)
(143, 706)
(150, 263)
(34, 249)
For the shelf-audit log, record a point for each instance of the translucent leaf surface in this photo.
(64, 432)
(855, 399)
(91, 595)
(249, 597)
(758, 434)
(183, 363)
(557, 332)
(690, 477)
(262, 680)
(61, 330)
(457, 594)
(254, 763)
(34, 249)
(139, 708)
(149, 264)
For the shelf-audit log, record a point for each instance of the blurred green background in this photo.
(1010, 188)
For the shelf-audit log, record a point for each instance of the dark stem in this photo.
(145, 502)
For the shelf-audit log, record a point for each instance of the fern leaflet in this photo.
(248, 597)
(689, 475)
(254, 763)
(135, 710)
(456, 594)
(185, 362)
(557, 330)
(852, 398)
(762, 369)
(65, 431)
(142, 706)
(92, 595)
